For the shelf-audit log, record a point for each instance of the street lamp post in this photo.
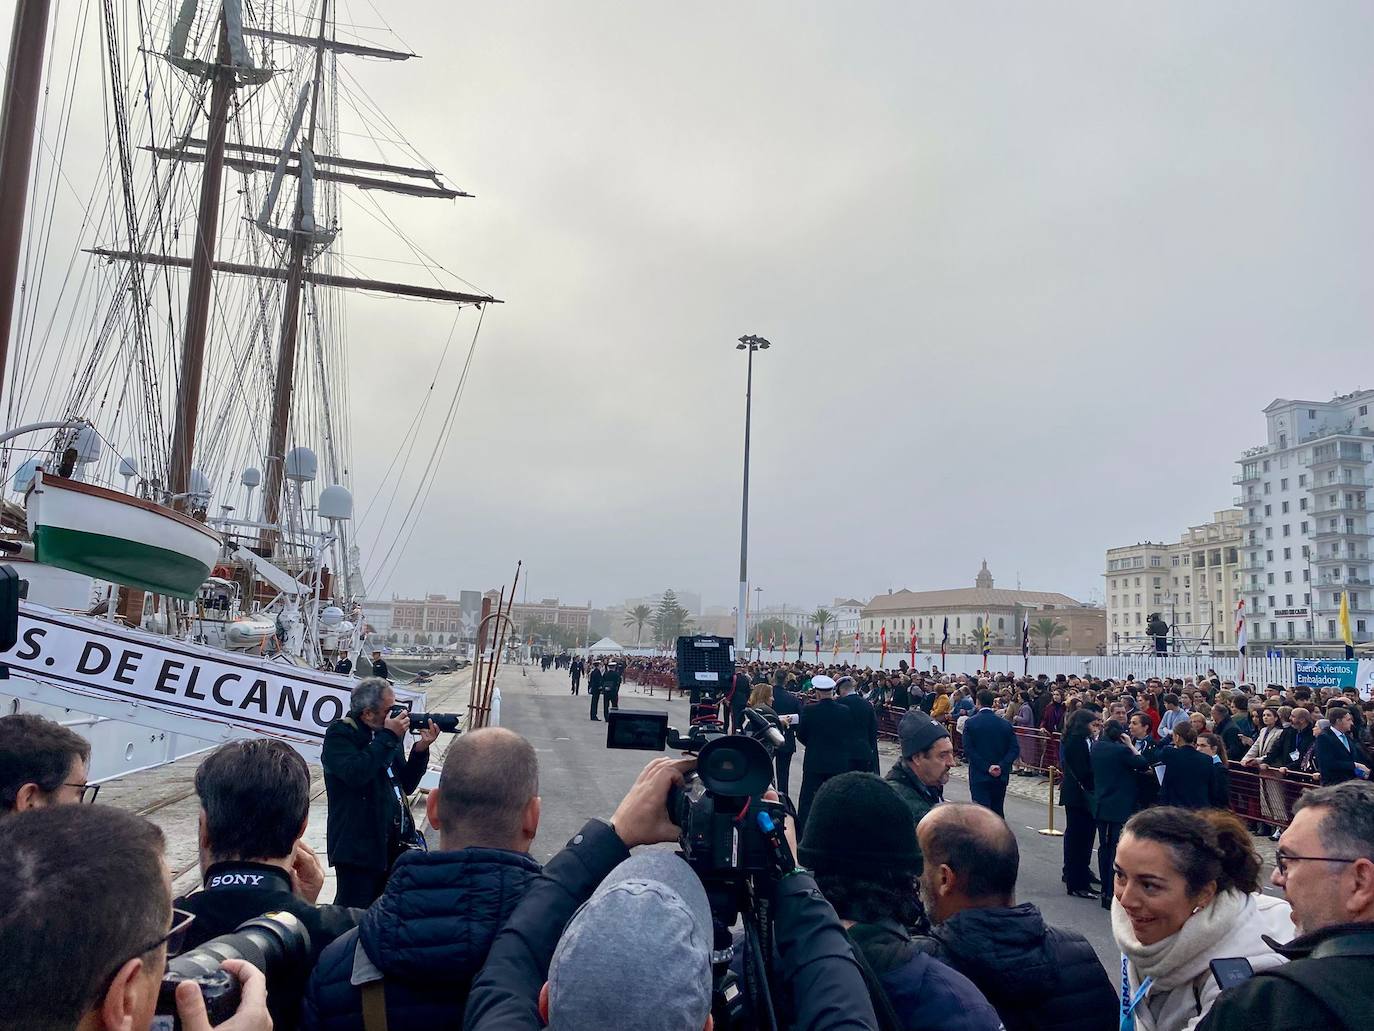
(750, 344)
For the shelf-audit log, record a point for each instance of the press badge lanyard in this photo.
(1129, 1002)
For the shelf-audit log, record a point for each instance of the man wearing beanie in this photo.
(861, 845)
(920, 775)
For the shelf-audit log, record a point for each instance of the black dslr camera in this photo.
(277, 944)
(445, 721)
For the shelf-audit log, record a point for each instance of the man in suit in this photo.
(1147, 788)
(1187, 772)
(575, 674)
(1293, 743)
(827, 730)
(1116, 768)
(865, 724)
(785, 703)
(1339, 756)
(594, 679)
(990, 748)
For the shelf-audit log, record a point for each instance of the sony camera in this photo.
(278, 944)
(445, 721)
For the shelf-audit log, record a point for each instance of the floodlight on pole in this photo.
(750, 344)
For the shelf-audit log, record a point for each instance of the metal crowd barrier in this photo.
(1258, 796)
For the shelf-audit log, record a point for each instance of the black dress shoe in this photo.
(1106, 902)
(1083, 893)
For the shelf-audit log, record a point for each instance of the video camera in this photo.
(278, 944)
(445, 721)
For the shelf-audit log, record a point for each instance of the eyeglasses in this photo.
(1282, 859)
(175, 939)
(88, 791)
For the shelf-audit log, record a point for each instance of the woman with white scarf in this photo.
(1271, 790)
(1186, 892)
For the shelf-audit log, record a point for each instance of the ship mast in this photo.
(18, 121)
(290, 326)
(202, 264)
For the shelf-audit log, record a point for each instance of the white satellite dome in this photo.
(128, 467)
(87, 444)
(301, 464)
(200, 484)
(336, 503)
(251, 477)
(23, 476)
(331, 615)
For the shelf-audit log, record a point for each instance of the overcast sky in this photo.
(1031, 272)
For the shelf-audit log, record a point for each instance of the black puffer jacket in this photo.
(1038, 978)
(428, 934)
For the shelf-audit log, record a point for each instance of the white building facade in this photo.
(1305, 522)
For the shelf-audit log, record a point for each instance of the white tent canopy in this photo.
(605, 646)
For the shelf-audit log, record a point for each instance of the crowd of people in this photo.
(887, 905)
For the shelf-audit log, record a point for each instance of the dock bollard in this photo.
(1050, 831)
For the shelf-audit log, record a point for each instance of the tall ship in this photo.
(176, 452)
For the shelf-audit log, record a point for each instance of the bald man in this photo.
(1035, 976)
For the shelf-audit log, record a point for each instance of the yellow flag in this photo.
(1345, 623)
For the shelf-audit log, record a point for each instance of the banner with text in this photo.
(104, 661)
(1339, 673)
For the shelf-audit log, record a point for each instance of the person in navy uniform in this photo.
(827, 730)
(990, 748)
(594, 679)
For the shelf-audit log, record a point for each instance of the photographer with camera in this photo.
(254, 806)
(367, 777)
(88, 924)
(639, 953)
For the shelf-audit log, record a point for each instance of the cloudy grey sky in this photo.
(1030, 272)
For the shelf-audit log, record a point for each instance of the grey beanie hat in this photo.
(638, 953)
(917, 732)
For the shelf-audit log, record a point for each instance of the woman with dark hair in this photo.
(1115, 765)
(1054, 715)
(1186, 891)
(1076, 797)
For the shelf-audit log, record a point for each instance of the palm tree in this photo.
(821, 619)
(637, 617)
(1047, 630)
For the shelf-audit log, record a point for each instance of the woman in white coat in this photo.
(1271, 791)
(1186, 892)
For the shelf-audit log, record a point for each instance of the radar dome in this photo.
(87, 444)
(23, 476)
(128, 466)
(336, 503)
(301, 464)
(251, 477)
(331, 615)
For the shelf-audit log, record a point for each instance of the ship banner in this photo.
(201, 692)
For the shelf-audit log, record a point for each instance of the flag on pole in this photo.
(882, 639)
(836, 653)
(818, 644)
(944, 644)
(801, 643)
(771, 641)
(987, 640)
(1241, 636)
(1025, 643)
(913, 643)
(1345, 625)
(858, 648)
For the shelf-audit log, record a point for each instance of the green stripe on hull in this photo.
(123, 561)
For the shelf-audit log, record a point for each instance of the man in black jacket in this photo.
(990, 749)
(828, 731)
(424, 940)
(594, 679)
(1037, 977)
(254, 804)
(865, 756)
(610, 688)
(1188, 780)
(367, 777)
(785, 703)
(1340, 757)
(531, 977)
(1115, 767)
(1289, 752)
(1325, 866)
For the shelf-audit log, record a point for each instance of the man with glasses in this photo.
(88, 924)
(42, 763)
(1325, 866)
